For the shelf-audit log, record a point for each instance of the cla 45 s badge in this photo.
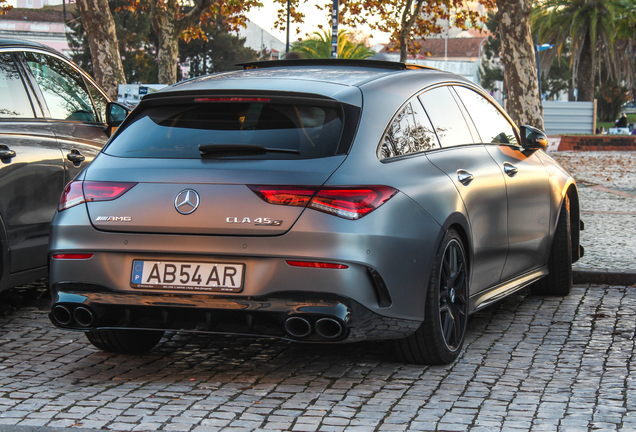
(258, 221)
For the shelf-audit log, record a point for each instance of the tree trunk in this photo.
(102, 40)
(406, 24)
(518, 58)
(164, 22)
(585, 73)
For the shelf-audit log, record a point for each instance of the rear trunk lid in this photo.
(193, 159)
(225, 203)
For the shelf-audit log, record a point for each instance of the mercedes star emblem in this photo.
(186, 201)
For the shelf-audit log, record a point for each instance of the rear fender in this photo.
(4, 254)
(459, 222)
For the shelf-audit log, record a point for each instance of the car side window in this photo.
(446, 117)
(489, 121)
(100, 102)
(15, 101)
(410, 132)
(63, 88)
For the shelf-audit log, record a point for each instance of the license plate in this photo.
(187, 276)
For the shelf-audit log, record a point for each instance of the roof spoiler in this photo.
(381, 64)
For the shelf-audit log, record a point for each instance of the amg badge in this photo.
(113, 219)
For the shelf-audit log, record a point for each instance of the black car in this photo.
(52, 124)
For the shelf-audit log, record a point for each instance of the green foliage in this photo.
(557, 78)
(221, 52)
(137, 43)
(319, 46)
(610, 98)
(583, 24)
(491, 70)
(78, 42)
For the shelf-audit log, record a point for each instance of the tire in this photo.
(440, 338)
(124, 341)
(559, 281)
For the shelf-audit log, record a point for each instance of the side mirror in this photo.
(115, 114)
(533, 138)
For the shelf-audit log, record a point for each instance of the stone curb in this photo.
(604, 276)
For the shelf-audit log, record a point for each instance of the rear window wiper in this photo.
(230, 150)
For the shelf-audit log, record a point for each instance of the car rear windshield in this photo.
(245, 130)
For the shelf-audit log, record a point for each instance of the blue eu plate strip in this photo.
(138, 271)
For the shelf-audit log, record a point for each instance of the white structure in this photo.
(130, 94)
(569, 117)
(36, 25)
(37, 4)
(258, 38)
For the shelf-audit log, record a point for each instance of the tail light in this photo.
(285, 195)
(78, 192)
(345, 202)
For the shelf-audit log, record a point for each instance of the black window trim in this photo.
(495, 104)
(27, 90)
(33, 82)
(416, 95)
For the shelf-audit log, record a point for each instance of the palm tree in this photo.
(587, 25)
(319, 46)
(626, 43)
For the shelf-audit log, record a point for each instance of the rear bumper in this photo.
(326, 317)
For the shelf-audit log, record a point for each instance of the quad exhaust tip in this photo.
(297, 327)
(62, 315)
(80, 317)
(83, 316)
(328, 328)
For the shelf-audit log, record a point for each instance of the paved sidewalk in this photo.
(530, 364)
(607, 191)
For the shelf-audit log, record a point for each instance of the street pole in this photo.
(287, 46)
(334, 30)
(538, 68)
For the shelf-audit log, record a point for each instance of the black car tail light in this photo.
(78, 192)
(346, 202)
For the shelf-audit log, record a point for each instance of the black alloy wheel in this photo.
(441, 336)
(453, 299)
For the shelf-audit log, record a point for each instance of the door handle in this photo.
(510, 169)
(6, 152)
(464, 177)
(75, 156)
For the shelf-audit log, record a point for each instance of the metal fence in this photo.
(562, 118)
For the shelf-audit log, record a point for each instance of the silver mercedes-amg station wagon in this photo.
(315, 201)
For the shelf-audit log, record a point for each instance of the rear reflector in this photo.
(345, 202)
(78, 192)
(230, 99)
(316, 264)
(73, 256)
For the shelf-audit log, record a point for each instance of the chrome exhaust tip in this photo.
(83, 316)
(328, 328)
(297, 327)
(62, 315)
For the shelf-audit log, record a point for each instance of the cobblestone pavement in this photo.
(530, 364)
(607, 191)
